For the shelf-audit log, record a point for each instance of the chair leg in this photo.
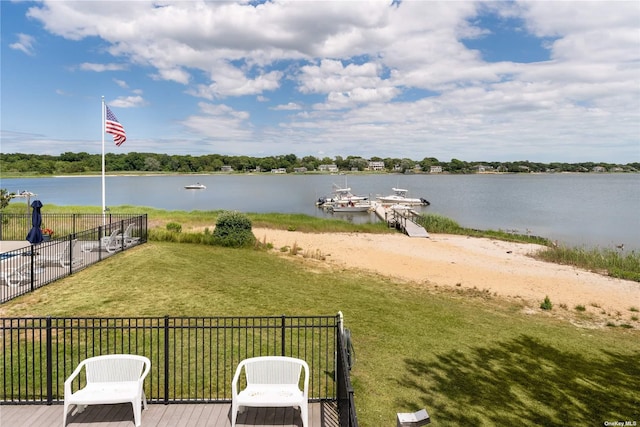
(234, 413)
(304, 414)
(64, 416)
(136, 412)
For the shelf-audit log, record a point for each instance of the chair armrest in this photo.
(305, 368)
(236, 379)
(69, 381)
(147, 368)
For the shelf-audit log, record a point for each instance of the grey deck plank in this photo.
(197, 414)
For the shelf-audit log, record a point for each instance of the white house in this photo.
(376, 166)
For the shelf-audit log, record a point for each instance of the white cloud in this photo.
(291, 106)
(100, 68)
(219, 122)
(128, 102)
(378, 77)
(25, 44)
(121, 83)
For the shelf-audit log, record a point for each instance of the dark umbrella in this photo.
(35, 234)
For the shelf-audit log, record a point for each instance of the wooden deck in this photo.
(321, 414)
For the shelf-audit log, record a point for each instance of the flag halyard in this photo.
(113, 126)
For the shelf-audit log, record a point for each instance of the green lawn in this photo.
(468, 358)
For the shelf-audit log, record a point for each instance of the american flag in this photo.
(113, 126)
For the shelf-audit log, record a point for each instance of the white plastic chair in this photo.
(271, 381)
(113, 378)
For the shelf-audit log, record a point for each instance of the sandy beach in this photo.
(502, 269)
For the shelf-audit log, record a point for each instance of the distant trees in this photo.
(78, 163)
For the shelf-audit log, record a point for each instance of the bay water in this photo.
(585, 210)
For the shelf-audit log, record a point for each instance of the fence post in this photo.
(70, 244)
(49, 362)
(122, 233)
(33, 268)
(282, 346)
(166, 359)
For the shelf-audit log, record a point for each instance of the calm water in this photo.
(578, 210)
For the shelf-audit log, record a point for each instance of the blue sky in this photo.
(541, 81)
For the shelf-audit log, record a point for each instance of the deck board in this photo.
(321, 414)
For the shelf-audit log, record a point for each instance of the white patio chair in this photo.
(127, 236)
(110, 379)
(271, 381)
(111, 243)
(107, 243)
(18, 276)
(64, 258)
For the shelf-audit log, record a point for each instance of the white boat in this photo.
(399, 196)
(351, 206)
(340, 196)
(196, 186)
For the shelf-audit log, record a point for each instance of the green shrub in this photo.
(233, 229)
(174, 226)
(546, 304)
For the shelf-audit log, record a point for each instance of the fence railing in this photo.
(15, 226)
(193, 358)
(31, 267)
(344, 390)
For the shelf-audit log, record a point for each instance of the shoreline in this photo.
(452, 262)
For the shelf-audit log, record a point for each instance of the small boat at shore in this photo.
(399, 196)
(351, 206)
(196, 186)
(342, 196)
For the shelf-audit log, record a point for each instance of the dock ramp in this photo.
(402, 219)
(414, 230)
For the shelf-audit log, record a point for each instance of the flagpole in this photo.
(104, 207)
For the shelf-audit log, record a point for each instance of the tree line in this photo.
(81, 163)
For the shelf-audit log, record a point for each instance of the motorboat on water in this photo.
(196, 186)
(341, 195)
(351, 206)
(399, 196)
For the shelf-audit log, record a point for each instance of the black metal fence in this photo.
(193, 358)
(16, 226)
(345, 393)
(30, 267)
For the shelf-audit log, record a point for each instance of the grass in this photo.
(435, 223)
(607, 261)
(467, 358)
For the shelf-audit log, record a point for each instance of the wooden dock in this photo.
(402, 219)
